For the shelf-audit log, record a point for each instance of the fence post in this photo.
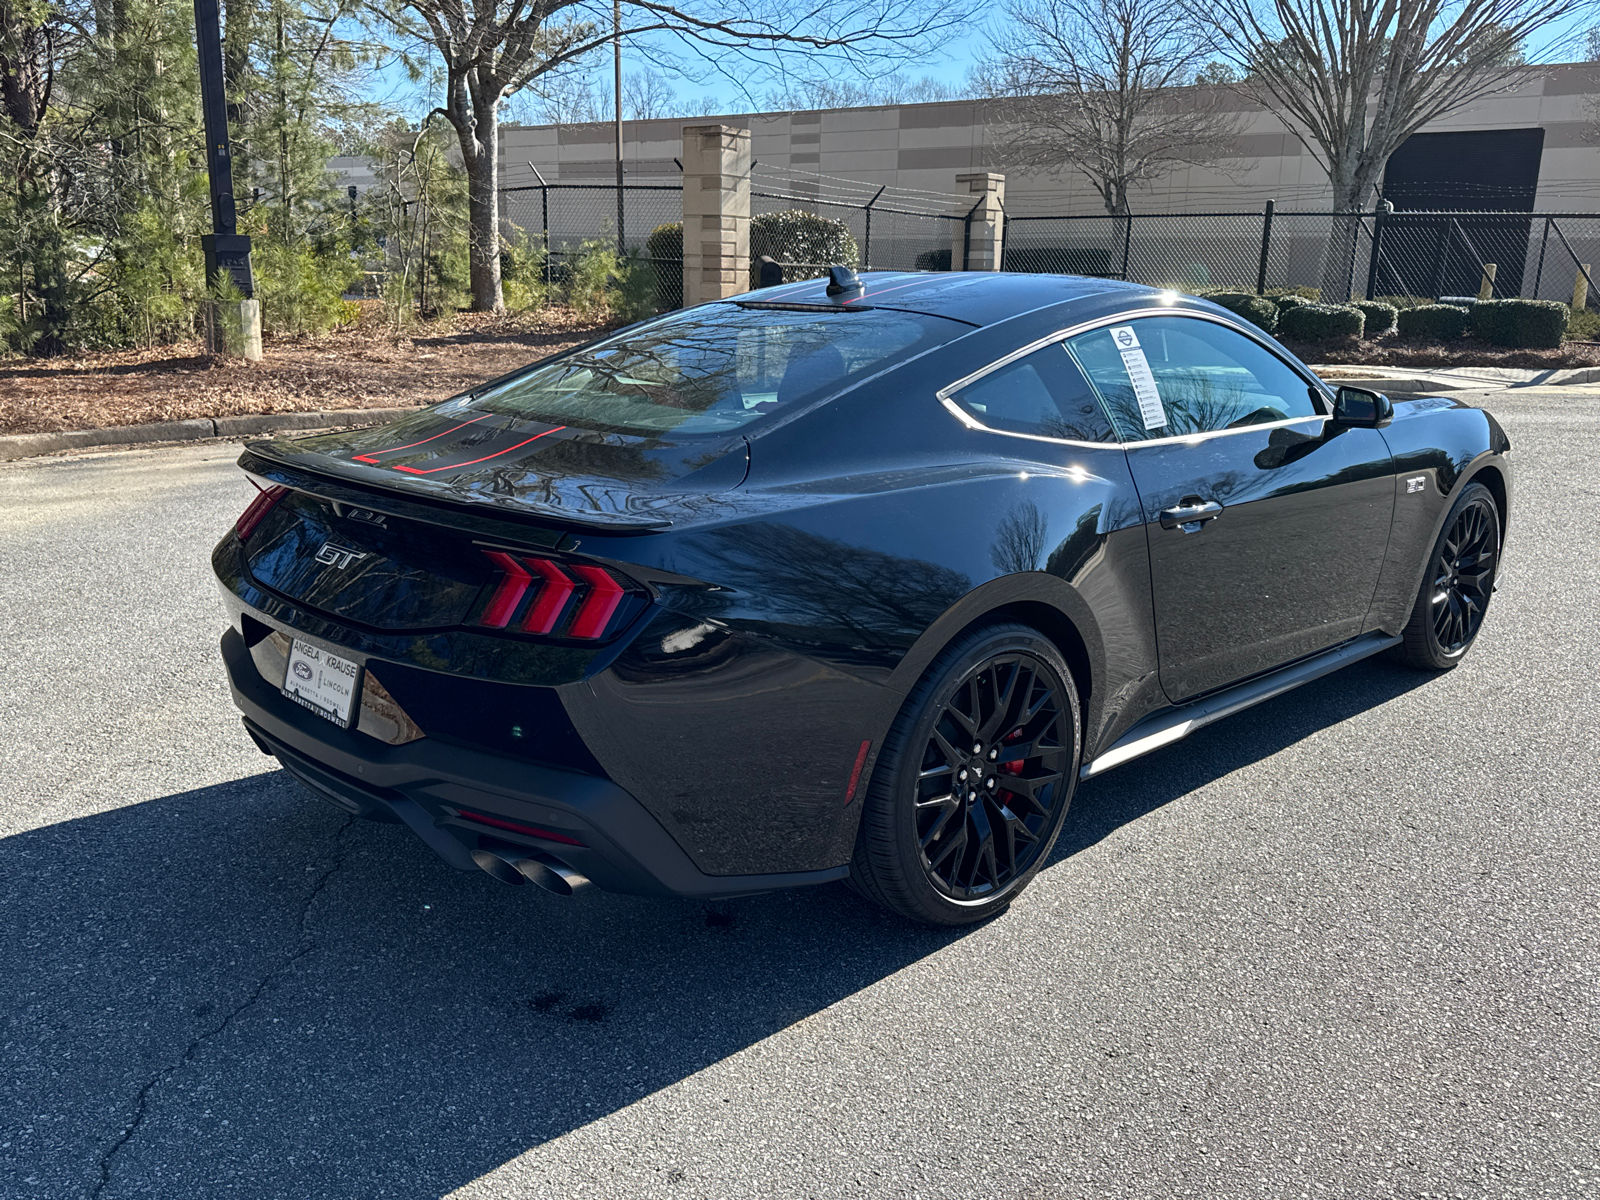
(1486, 286)
(1127, 244)
(1380, 218)
(1266, 247)
(1436, 279)
(866, 241)
(716, 212)
(1580, 288)
(1538, 275)
(977, 245)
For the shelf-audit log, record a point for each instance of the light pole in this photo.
(227, 251)
(616, 78)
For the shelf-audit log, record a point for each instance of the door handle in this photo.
(1191, 515)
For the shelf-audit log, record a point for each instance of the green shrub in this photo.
(1258, 310)
(634, 297)
(596, 269)
(299, 291)
(1313, 294)
(1285, 303)
(1583, 326)
(1523, 324)
(1380, 316)
(1435, 322)
(664, 249)
(1403, 302)
(806, 244)
(1320, 322)
(522, 263)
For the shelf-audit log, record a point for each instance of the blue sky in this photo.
(1561, 43)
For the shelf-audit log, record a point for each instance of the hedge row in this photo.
(1321, 322)
(1258, 310)
(1524, 324)
(1380, 316)
(1437, 322)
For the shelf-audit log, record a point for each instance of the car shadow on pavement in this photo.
(237, 990)
(1110, 801)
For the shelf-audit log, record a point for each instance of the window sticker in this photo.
(1144, 383)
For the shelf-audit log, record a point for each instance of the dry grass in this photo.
(358, 366)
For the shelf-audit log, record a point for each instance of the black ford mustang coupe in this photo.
(854, 578)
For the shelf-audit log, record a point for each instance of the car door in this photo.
(1266, 532)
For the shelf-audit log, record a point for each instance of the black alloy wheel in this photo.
(974, 780)
(1458, 584)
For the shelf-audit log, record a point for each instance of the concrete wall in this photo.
(924, 146)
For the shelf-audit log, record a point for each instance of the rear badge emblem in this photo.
(1414, 484)
(334, 555)
(302, 670)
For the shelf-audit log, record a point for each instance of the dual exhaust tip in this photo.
(517, 867)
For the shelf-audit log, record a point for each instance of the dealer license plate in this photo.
(322, 682)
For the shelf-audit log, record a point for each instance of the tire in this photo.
(925, 851)
(1457, 586)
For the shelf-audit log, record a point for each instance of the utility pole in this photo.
(616, 73)
(227, 251)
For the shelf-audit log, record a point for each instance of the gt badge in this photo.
(334, 555)
(1414, 484)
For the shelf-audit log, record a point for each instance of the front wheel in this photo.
(974, 780)
(1458, 584)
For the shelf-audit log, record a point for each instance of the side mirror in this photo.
(1358, 408)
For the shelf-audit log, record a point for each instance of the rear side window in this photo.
(715, 368)
(1174, 376)
(1043, 394)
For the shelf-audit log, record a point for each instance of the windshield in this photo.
(713, 369)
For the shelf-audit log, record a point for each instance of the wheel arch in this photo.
(1032, 598)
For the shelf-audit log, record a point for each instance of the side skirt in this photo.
(1173, 724)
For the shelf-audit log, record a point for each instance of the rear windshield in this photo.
(713, 369)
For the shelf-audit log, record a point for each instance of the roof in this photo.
(976, 297)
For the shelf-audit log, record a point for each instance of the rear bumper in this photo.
(426, 784)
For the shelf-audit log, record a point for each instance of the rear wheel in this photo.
(1458, 584)
(974, 780)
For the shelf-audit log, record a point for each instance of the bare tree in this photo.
(1355, 78)
(1099, 87)
(490, 49)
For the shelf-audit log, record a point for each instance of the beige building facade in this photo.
(921, 148)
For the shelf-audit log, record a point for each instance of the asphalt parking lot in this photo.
(1342, 945)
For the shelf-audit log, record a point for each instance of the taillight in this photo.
(257, 510)
(581, 596)
(548, 835)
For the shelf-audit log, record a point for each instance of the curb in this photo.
(27, 445)
(1402, 381)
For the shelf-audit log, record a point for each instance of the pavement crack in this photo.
(306, 946)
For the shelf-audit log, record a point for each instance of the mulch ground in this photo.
(358, 366)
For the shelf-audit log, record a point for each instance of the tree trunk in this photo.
(483, 209)
(1338, 265)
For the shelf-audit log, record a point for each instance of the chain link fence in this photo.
(1417, 255)
(568, 218)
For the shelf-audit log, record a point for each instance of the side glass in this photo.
(1043, 394)
(1175, 376)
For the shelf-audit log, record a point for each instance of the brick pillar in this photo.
(716, 212)
(980, 238)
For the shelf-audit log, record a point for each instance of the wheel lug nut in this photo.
(994, 754)
(962, 774)
(991, 783)
(978, 748)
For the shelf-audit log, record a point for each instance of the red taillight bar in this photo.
(256, 511)
(605, 593)
(552, 598)
(508, 592)
(548, 835)
(555, 588)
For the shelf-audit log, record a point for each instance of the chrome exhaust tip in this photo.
(516, 868)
